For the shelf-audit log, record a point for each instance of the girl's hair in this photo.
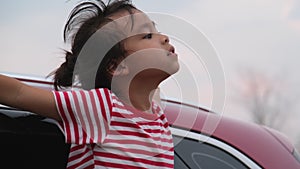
(85, 19)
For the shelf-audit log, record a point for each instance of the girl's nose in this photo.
(165, 39)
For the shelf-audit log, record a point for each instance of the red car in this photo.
(202, 139)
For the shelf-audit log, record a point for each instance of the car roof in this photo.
(253, 140)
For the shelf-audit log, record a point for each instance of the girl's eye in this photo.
(148, 36)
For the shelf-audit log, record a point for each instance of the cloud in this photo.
(31, 37)
(249, 32)
(291, 13)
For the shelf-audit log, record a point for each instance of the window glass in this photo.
(202, 155)
(179, 163)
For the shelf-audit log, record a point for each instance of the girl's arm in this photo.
(16, 94)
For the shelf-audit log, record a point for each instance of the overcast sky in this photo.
(260, 35)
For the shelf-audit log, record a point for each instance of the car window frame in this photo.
(247, 161)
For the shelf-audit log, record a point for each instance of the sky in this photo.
(260, 36)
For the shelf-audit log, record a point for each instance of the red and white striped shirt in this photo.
(105, 133)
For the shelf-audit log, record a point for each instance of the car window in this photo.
(194, 154)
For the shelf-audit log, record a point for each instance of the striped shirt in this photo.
(105, 133)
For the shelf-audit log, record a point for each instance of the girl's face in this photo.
(148, 51)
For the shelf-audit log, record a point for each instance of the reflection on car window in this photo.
(201, 160)
(203, 156)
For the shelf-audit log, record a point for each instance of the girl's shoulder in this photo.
(101, 94)
(86, 91)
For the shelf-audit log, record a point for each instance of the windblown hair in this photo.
(85, 20)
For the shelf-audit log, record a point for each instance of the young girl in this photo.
(119, 59)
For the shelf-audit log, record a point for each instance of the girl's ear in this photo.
(121, 70)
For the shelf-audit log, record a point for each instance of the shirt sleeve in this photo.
(85, 114)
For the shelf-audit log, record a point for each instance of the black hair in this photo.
(84, 20)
